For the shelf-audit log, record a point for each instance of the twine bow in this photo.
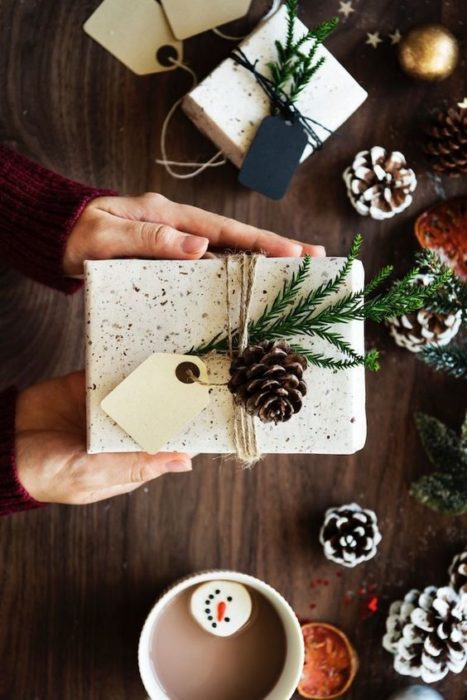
(280, 101)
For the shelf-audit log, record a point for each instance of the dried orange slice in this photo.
(330, 662)
(443, 228)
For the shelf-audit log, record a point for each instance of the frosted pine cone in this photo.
(267, 379)
(379, 183)
(427, 633)
(458, 572)
(349, 534)
(416, 330)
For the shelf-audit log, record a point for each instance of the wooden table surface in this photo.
(77, 582)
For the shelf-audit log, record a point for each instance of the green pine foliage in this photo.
(452, 360)
(445, 490)
(317, 313)
(294, 67)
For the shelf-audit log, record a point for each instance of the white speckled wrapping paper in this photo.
(137, 307)
(229, 105)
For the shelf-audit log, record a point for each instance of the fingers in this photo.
(143, 239)
(118, 469)
(223, 232)
(219, 231)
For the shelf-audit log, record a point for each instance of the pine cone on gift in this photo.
(427, 633)
(458, 572)
(379, 183)
(446, 141)
(416, 330)
(267, 378)
(349, 534)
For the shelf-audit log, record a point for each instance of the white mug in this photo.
(295, 651)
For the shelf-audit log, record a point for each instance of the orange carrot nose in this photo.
(221, 608)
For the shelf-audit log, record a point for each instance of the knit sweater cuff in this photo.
(38, 210)
(13, 496)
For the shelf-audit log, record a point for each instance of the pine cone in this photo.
(458, 572)
(427, 633)
(379, 183)
(446, 141)
(267, 379)
(349, 534)
(416, 330)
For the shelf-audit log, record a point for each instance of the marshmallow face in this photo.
(221, 607)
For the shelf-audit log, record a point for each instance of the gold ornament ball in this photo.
(429, 52)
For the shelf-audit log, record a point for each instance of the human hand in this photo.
(151, 226)
(51, 458)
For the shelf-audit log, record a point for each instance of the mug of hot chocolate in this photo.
(221, 635)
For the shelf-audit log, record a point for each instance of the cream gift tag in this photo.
(158, 399)
(190, 17)
(137, 33)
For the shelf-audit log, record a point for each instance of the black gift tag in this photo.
(273, 156)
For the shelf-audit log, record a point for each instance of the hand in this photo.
(51, 458)
(151, 226)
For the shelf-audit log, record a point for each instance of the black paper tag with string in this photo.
(273, 156)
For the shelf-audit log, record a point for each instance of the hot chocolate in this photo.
(191, 663)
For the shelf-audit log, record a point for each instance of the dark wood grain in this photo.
(76, 583)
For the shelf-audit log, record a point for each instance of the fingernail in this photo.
(194, 244)
(179, 465)
(319, 251)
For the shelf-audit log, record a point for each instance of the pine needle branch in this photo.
(292, 65)
(290, 315)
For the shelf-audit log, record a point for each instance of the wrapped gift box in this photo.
(138, 307)
(229, 105)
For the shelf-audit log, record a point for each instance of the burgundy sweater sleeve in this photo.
(37, 211)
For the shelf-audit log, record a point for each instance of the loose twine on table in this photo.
(245, 438)
(218, 159)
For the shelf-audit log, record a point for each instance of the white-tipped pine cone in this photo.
(416, 330)
(427, 633)
(458, 572)
(349, 534)
(379, 183)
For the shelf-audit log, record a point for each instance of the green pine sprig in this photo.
(294, 68)
(445, 490)
(452, 359)
(317, 313)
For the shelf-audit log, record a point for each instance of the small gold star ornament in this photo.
(428, 52)
(373, 39)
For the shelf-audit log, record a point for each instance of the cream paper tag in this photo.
(158, 399)
(190, 17)
(137, 33)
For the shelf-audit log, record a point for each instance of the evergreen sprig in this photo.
(452, 297)
(445, 490)
(317, 313)
(452, 360)
(294, 68)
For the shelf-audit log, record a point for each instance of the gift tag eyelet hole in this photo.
(165, 55)
(185, 372)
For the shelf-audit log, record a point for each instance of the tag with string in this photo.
(137, 34)
(159, 398)
(190, 17)
(273, 156)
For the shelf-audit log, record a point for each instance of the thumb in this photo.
(151, 240)
(116, 469)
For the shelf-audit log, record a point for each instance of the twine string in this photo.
(245, 438)
(215, 161)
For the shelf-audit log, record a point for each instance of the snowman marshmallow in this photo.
(221, 607)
